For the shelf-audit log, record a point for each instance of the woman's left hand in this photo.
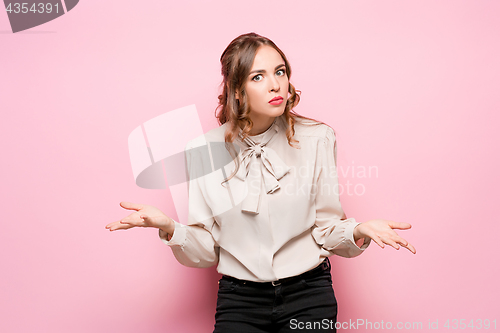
(381, 231)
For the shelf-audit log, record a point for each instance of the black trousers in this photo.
(304, 303)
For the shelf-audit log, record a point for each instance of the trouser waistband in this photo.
(325, 265)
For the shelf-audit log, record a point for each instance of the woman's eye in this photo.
(281, 72)
(257, 77)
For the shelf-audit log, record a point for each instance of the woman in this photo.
(272, 224)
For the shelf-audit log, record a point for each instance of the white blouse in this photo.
(279, 216)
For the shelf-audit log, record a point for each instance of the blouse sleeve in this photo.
(332, 230)
(193, 244)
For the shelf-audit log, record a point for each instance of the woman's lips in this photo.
(276, 101)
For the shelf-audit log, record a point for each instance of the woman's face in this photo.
(267, 81)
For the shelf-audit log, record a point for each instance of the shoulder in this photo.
(213, 135)
(305, 128)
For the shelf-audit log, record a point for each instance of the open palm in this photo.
(382, 232)
(145, 216)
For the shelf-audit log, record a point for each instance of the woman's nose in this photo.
(274, 84)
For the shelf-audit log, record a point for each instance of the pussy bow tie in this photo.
(259, 162)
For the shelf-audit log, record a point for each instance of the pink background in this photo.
(411, 88)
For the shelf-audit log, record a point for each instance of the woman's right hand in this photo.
(143, 216)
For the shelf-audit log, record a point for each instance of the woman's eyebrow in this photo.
(263, 71)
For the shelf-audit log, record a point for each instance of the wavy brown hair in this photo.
(236, 63)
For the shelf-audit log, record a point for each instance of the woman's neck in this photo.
(261, 127)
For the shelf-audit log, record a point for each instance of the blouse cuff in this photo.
(179, 237)
(349, 234)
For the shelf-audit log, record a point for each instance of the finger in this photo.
(411, 248)
(400, 240)
(122, 226)
(395, 240)
(406, 244)
(372, 235)
(148, 221)
(399, 225)
(118, 226)
(390, 242)
(134, 222)
(112, 224)
(377, 240)
(131, 205)
(132, 218)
